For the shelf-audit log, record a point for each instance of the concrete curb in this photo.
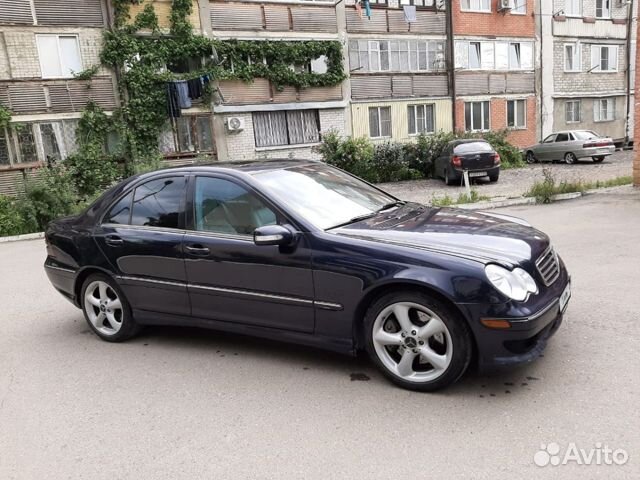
(510, 202)
(19, 238)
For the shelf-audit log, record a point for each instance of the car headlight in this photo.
(516, 284)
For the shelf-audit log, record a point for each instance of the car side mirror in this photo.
(273, 235)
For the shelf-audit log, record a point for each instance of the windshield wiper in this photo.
(365, 216)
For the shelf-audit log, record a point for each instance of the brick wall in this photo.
(498, 118)
(494, 23)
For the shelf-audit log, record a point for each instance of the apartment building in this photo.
(398, 59)
(495, 61)
(588, 66)
(43, 43)
(260, 119)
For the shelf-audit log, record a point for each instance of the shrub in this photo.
(510, 155)
(392, 164)
(13, 220)
(355, 155)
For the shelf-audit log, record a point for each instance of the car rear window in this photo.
(472, 147)
(584, 135)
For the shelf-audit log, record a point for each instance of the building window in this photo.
(572, 57)
(59, 55)
(604, 58)
(572, 111)
(603, 8)
(604, 110)
(519, 7)
(418, 3)
(292, 127)
(573, 8)
(379, 122)
(421, 119)
(189, 134)
(516, 113)
(514, 56)
(475, 55)
(476, 116)
(38, 142)
(396, 55)
(475, 5)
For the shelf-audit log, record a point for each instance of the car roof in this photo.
(467, 140)
(246, 166)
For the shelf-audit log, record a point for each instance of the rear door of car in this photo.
(231, 279)
(141, 235)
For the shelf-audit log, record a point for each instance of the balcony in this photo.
(261, 91)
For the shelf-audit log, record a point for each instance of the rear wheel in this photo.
(418, 342)
(597, 159)
(106, 309)
(570, 158)
(530, 157)
(447, 179)
(494, 178)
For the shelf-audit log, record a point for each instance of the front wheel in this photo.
(530, 157)
(418, 342)
(597, 159)
(570, 158)
(107, 310)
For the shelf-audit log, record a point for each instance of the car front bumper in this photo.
(525, 338)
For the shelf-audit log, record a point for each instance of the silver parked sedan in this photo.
(570, 146)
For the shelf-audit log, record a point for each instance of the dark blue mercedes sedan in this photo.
(303, 252)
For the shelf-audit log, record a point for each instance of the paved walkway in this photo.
(516, 182)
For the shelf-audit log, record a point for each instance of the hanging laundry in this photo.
(173, 101)
(183, 93)
(195, 88)
(359, 7)
(410, 13)
(367, 8)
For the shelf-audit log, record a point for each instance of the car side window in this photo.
(562, 137)
(158, 203)
(120, 213)
(222, 206)
(550, 138)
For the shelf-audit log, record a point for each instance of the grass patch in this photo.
(544, 191)
(462, 198)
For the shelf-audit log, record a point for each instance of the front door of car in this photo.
(543, 151)
(561, 146)
(141, 236)
(231, 278)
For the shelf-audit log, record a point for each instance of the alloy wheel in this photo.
(412, 342)
(103, 307)
(570, 158)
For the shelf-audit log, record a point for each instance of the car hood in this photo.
(482, 236)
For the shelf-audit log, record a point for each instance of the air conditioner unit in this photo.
(505, 4)
(235, 124)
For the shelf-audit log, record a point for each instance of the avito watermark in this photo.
(600, 454)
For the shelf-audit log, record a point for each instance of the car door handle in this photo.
(114, 240)
(197, 250)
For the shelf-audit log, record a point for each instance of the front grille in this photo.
(548, 266)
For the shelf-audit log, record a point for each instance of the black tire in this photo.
(448, 180)
(459, 332)
(128, 328)
(530, 157)
(597, 159)
(570, 158)
(494, 178)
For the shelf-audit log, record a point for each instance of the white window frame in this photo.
(577, 57)
(611, 112)
(573, 14)
(60, 57)
(483, 104)
(519, 7)
(612, 56)
(518, 54)
(516, 102)
(479, 43)
(379, 119)
(414, 108)
(378, 53)
(575, 103)
(477, 7)
(606, 9)
(488, 55)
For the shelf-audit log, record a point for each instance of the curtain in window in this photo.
(303, 126)
(70, 53)
(270, 128)
(374, 126)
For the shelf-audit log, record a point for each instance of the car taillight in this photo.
(597, 144)
(496, 159)
(456, 161)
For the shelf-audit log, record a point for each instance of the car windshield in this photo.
(324, 196)
(472, 147)
(585, 134)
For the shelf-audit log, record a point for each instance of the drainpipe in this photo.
(451, 63)
(628, 79)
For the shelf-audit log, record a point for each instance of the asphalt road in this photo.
(193, 404)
